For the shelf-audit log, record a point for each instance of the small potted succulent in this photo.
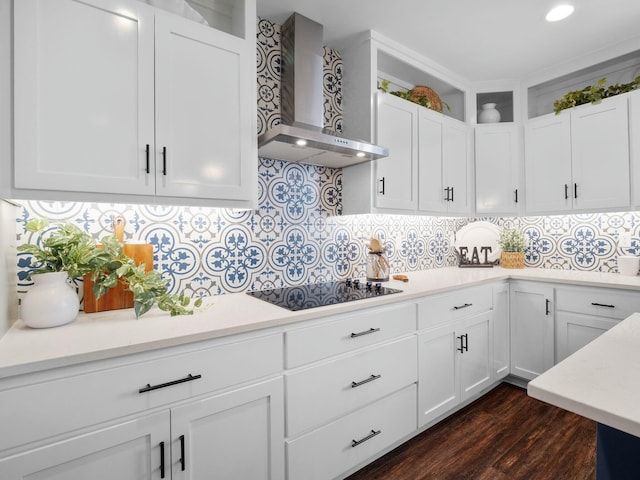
(67, 252)
(512, 243)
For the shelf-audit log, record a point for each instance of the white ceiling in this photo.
(480, 40)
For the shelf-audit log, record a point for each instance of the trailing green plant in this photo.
(69, 249)
(512, 240)
(593, 94)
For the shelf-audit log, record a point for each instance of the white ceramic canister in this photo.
(51, 302)
(628, 264)
(489, 114)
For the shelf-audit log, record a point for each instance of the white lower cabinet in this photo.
(335, 448)
(501, 341)
(454, 365)
(532, 329)
(133, 450)
(135, 418)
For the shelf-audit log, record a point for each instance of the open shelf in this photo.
(503, 101)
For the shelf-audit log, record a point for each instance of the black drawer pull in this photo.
(150, 387)
(161, 459)
(355, 443)
(460, 307)
(182, 459)
(547, 303)
(147, 169)
(164, 160)
(595, 304)
(366, 380)
(366, 332)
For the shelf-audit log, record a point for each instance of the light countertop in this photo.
(103, 335)
(601, 381)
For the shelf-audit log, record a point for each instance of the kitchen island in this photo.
(600, 382)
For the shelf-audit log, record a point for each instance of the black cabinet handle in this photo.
(460, 307)
(355, 443)
(452, 194)
(182, 459)
(164, 160)
(150, 387)
(161, 459)
(595, 304)
(381, 181)
(516, 195)
(566, 191)
(547, 304)
(461, 347)
(575, 190)
(446, 198)
(147, 169)
(466, 342)
(366, 332)
(366, 380)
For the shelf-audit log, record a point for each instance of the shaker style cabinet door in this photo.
(135, 450)
(206, 144)
(600, 154)
(83, 95)
(456, 158)
(396, 176)
(239, 434)
(548, 164)
(497, 169)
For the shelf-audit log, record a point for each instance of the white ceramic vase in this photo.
(51, 302)
(489, 114)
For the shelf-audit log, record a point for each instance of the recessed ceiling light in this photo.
(558, 13)
(360, 154)
(301, 142)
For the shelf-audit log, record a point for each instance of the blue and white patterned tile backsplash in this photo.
(297, 234)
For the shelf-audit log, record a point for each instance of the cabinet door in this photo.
(497, 165)
(205, 112)
(396, 175)
(500, 319)
(475, 357)
(456, 161)
(430, 171)
(134, 450)
(239, 434)
(532, 328)
(547, 163)
(574, 331)
(600, 153)
(438, 382)
(83, 95)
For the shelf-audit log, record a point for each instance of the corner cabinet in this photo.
(578, 160)
(498, 160)
(117, 97)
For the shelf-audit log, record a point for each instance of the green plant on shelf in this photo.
(593, 94)
(512, 240)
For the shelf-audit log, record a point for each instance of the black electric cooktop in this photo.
(320, 294)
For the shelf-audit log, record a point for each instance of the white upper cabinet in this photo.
(116, 97)
(396, 175)
(497, 168)
(579, 159)
(444, 164)
(634, 137)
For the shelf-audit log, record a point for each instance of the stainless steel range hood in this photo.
(300, 137)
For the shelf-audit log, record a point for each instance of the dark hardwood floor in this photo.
(505, 435)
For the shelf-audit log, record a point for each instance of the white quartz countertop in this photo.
(103, 335)
(601, 381)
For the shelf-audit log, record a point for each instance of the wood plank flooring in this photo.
(505, 435)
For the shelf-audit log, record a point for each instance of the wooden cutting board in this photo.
(119, 296)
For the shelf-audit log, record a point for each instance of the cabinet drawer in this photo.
(602, 302)
(330, 450)
(66, 403)
(348, 332)
(327, 391)
(451, 306)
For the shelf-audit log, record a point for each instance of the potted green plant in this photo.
(512, 243)
(68, 252)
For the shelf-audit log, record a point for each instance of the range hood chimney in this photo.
(301, 136)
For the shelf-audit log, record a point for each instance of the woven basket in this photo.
(422, 91)
(512, 259)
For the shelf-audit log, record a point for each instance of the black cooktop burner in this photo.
(320, 294)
